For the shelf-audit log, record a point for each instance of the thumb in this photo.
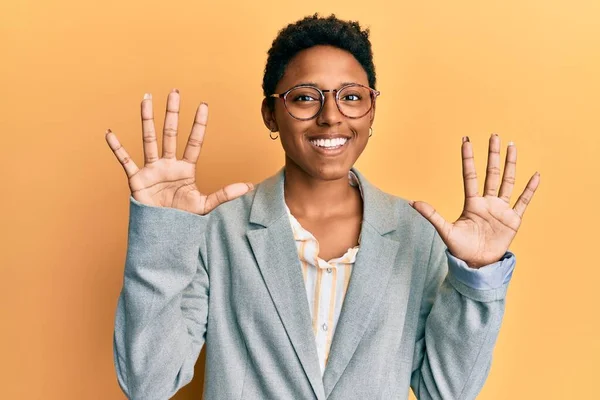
(431, 215)
(225, 194)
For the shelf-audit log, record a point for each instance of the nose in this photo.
(330, 114)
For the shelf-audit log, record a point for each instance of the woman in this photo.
(316, 284)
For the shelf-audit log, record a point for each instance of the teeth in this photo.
(329, 143)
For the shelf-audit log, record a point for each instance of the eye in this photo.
(351, 97)
(304, 97)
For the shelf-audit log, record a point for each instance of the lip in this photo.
(329, 152)
(329, 136)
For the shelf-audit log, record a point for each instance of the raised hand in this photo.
(166, 181)
(487, 225)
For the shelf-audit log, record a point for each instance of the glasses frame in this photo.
(374, 93)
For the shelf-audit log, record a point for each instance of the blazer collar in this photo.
(269, 203)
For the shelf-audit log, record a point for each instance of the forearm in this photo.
(455, 354)
(462, 310)
(162, 309)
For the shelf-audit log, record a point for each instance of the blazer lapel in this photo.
(277, 257)
(370, 274)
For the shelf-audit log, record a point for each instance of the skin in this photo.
(165, 181)
(316, 188)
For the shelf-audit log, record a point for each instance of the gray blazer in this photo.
(232, 279)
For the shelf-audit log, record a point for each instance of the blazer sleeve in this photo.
(458, 327)
(162, 310)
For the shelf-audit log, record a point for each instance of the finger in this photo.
(148, 132)
(492, 175)
(121, 154)
(527, 195)
(170, 126)
(226, 194)
(194, 144)
(510, 172)
(468, 167)
(439, 223)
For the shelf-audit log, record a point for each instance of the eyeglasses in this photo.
(305, 102)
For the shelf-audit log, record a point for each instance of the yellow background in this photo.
(528, 70)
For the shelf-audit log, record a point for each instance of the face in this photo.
(325, 67)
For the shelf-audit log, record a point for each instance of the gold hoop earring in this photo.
(370, 132)
(271, 135)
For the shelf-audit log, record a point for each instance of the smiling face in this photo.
(327, 146)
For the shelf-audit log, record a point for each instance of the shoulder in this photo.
(407, 225)
(261, 205)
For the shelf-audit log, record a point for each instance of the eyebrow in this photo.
(316, 85)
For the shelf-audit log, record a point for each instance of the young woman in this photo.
(315, 284)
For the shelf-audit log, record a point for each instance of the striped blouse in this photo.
(326, 283)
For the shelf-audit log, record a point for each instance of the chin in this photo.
(322, 169)
(330, 172)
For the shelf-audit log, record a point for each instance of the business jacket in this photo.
(232, 279)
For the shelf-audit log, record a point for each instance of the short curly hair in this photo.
(312, 31)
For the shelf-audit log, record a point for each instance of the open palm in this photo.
(487, 224)
(166, 181)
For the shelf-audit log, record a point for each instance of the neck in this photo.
(310, 197)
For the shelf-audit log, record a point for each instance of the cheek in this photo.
(290, 129)
(361, 130)
(281, 114)
(285, 122)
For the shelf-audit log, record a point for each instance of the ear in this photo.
(268, 116)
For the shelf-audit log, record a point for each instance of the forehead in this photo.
(327, 66)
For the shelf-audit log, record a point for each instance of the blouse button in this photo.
(328, 270)
(324, 327)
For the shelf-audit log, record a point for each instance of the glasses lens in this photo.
(303, 102)
(355, 101)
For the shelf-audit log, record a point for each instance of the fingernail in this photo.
(511, 143)
(205, 103)
(107, 131)
(176, 90)
(411, 202)
(147, 96)
(250, 185)
(494, 134)
(465, 139)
